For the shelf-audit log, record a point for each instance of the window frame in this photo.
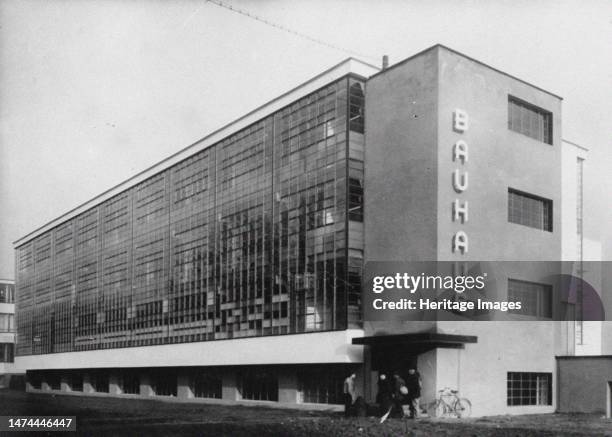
(532, 381)
(547, 121)
(547, 224)
(545, 311)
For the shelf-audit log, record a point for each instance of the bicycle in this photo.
(449, 404)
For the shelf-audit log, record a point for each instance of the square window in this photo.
(528, 388)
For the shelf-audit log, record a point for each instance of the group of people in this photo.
(393, 394)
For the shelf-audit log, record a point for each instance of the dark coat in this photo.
(397, 385)
(385, 393)
(413, 383)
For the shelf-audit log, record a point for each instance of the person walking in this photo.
(414, 384)
(399, 394)
(384, 397)
(349, 394)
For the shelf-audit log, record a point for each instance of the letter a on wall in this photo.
(460, 242)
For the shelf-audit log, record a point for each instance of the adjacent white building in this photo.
(7, 332)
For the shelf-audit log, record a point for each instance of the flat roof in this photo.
(471, 59)
(574, 144)
(346, 67)
(418, 338)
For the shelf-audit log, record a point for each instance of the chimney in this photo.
(385, 62)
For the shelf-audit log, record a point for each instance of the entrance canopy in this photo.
(400, 351)
(419, 343)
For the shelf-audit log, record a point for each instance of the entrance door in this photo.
(390, 359)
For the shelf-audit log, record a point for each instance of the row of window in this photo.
(317, 384)
(525, 208)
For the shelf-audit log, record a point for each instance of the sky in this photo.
(92, 92)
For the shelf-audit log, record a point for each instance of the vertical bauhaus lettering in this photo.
(460, 120)
(460, 242)
(460, 211)
(460, 181)
(460, 151)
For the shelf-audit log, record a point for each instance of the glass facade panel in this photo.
(76, 381)
(164, 382)
(99, 381)
(258, 384)
(130, 382)
(54, 380)
(258, 234)
(34, 378)
(207, 383)
(322, 384)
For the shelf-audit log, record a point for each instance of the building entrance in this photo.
(389, 359)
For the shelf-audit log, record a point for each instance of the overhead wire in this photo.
(291, 31)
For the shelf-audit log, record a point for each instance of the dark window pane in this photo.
(529, 210)
(536, 299)
(526, 388)
(529, 120)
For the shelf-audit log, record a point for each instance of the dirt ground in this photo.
(97, 416)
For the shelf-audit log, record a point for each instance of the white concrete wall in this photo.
(427, 366)
(499, 158)
(480, 370)
(7, 337)
(8, 368)
(592, 341)
(323, 347)
(7, 308)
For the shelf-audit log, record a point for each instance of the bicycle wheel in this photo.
(440, 409)
(463, 408)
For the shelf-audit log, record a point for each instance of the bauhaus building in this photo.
(233, 269)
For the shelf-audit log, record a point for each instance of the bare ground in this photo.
(99, 416)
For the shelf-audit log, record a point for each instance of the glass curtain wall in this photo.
(259, 234)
